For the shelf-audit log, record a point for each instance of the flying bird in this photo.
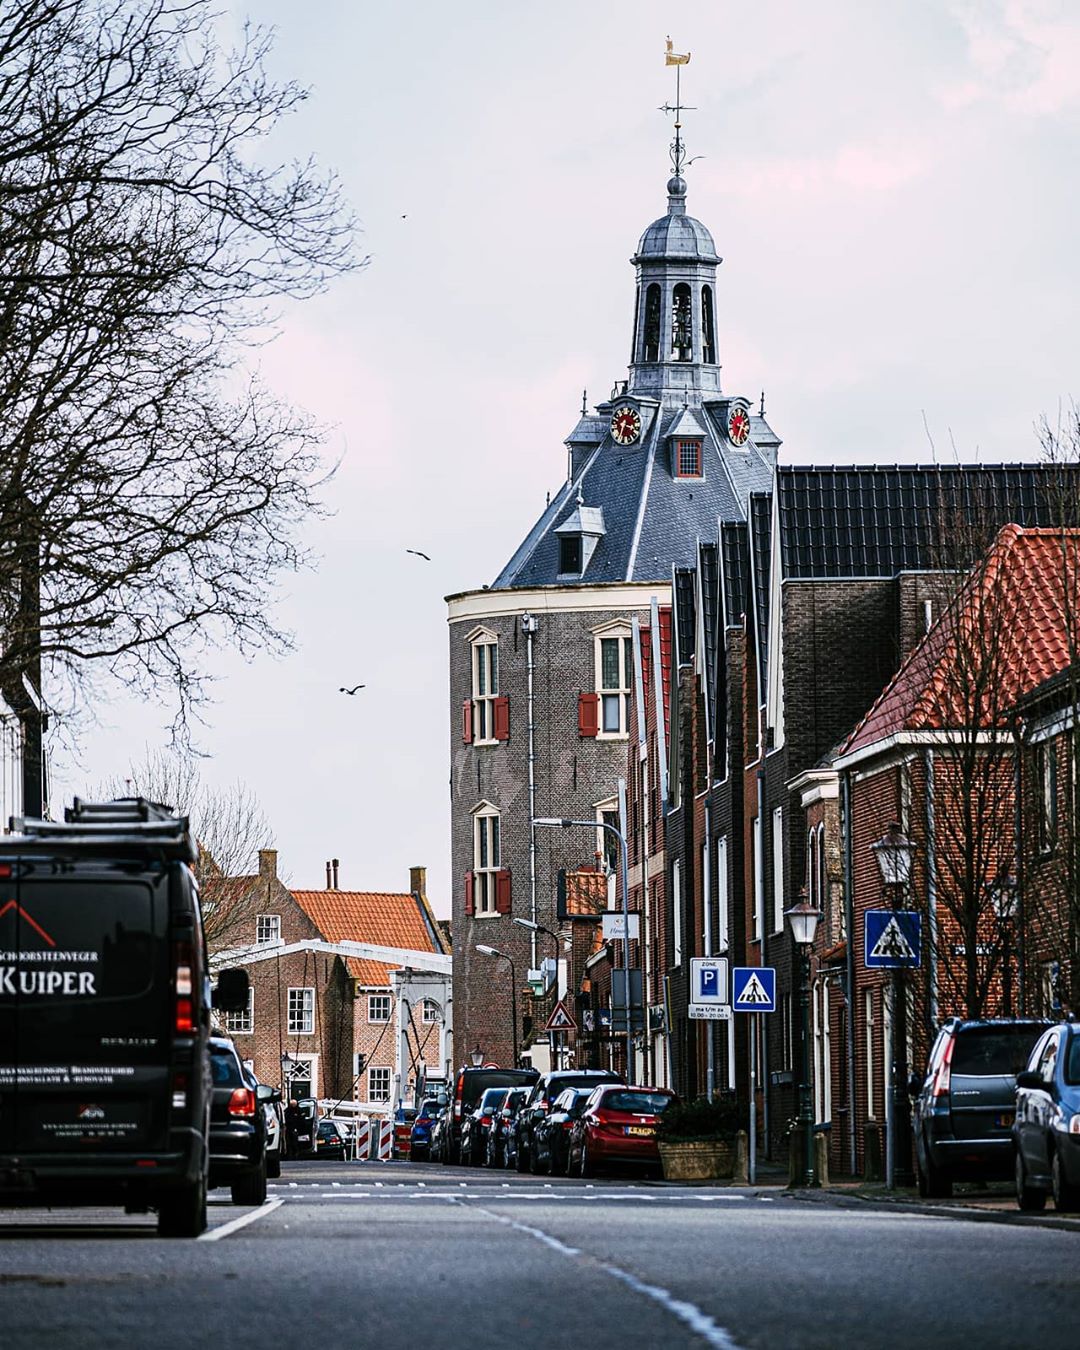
(353, 690)
(417, 554)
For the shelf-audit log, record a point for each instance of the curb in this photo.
(958, 1210)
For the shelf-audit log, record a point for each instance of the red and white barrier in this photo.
(362, 1145)
(382, 1139)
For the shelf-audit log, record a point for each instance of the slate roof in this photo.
(707, 572)
(685, 627)
(385, 918)
(652, 519)
(733, 571)
(1005, 635)
(760, 559)
(874, 521)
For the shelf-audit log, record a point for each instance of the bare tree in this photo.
(230, 827)
(151, 489)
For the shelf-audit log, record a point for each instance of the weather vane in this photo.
(678, 150)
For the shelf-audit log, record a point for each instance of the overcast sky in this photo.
(892, 187)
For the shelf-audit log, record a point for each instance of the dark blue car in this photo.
(420, 1138)
(1047, 1128)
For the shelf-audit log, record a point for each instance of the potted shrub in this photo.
(697, 1139)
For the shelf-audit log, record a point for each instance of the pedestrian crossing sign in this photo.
(753, 989)
(893, 939)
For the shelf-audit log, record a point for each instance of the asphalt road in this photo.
(399, 1255)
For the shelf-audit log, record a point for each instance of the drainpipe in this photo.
(849, 961)
(931, 889)
(528, 627)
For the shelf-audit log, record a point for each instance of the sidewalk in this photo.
(980, 1204)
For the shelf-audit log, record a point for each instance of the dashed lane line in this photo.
(241, 1221)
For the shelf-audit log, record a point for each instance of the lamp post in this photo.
(557, 823)
(803, 921)
(494, 951)
(1003, 891)
(476, 1056)
(534, 928)
(894, 852)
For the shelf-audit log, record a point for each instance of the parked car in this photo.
(403, 1121)
(420, 1131)
(469, 1086)
(1047, 1126)
(963, 1113)
(270, 1098)
(618, 1125)
(440, 1131)
(331, 1142)
(544, 1092)
(237, 1127)
(477, 1125)
(551, 1136)
(500, 1149)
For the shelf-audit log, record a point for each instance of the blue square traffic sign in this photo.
(893, 939)
(753, 989)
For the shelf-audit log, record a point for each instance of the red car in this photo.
(618, 1126)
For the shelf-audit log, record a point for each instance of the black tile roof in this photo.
(685, 628)
(733, 547)
(708, 572)
(760, 523)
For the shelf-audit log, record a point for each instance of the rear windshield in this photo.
(580, 1080)
(493, 1098)
(225, 1068)
(993, 1050)
(476, 1082)
(647, 1103)
(1072, 1060)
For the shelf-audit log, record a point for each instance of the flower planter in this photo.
(697, 1160)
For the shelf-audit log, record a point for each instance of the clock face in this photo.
(738, 427)
(625, 425)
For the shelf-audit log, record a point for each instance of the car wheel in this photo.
(536, 1164)
(182, 1213)
(587, 1168)
(521, 1159)
(1027, 1197)
(1066, 1196)
(250, 1189)
(934, 1181)
(273, 1165)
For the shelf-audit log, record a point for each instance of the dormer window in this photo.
(570, 554)
(578, 537)
(688, 459)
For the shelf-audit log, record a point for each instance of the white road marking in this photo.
(241, 1221)
(688, 1313)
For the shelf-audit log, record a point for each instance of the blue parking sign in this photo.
(708, 980)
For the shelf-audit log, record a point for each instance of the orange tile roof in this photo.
(388, 919)
(369, 972)
(1003, 637)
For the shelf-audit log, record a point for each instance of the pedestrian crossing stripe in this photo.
(753, 994)
(892, 942)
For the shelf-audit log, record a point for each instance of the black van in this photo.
(105, 1013)
(469, 1087)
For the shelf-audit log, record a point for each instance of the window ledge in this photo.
(490, 740)
(488, 914)
(612, 736)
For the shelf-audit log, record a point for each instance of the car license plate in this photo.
(640, 1129)
(1005, 1120)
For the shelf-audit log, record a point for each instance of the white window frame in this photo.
(487, 859)
(816, 1003)
(621, 633)
(381, 1073)
(484, 684)
(604, 839)
(311, 1062)
(430, 1013)
(826, 1054)
(870, 1024)
(242, 1023)
(274, 927)
(306, 1007)
(759, 880)
(724, 939)
(778, 868)
(676, 914)
(380, 1001)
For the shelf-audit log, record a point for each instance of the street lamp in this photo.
(894, 852)
(561, 823)
(494, 951)
(803, 921)
(1005, 896)
(477, 1056)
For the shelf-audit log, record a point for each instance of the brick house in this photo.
(319, 1024)
(541, 661)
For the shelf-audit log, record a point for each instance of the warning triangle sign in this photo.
(753, 994)
(892, 943)
(561, 1019)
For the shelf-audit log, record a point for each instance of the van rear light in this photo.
(185, 1016)
(242, 1102)
(179, 1092)
(5, 871)
(183, 980)
(183, 987)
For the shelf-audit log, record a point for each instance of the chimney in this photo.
(328, 886)
(418, 881)
(268, 864)
(334, 864)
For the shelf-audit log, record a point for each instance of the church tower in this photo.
(540, 661)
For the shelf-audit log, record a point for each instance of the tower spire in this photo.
(678, 150)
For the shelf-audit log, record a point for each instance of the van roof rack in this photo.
(127, 826)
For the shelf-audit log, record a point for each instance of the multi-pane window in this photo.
(242, 1023)
(778, 868)
(486, 861)
(485, 689)
(429, 1012)
(1046, 770)
(607, 844)
(676, 914)
(301, 1012)
(688, 459)
(378, 1084)
(378, 1008)
(267, 928)
(614, 663)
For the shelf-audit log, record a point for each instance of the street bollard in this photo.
(742, 1158)
(821, 1159)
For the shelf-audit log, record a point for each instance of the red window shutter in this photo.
(588, 714)
(466, 721)
(501, 718)
(470, 903)
(502, 892)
